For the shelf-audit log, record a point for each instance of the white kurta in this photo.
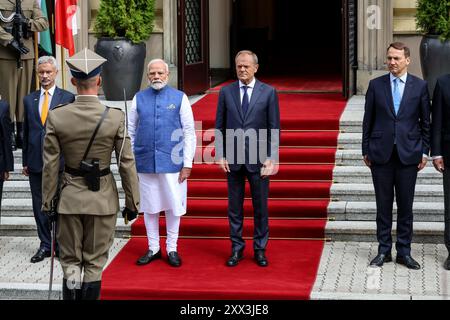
(161, 191)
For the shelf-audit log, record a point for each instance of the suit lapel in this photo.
(235, 91)
(388, 94)
(35, 107)
(408, 88)
(56, 98)
(255, 96)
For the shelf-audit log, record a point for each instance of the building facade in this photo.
(198, 38)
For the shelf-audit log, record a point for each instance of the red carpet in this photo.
(307, 83)
(298, 112)
(299, 197)
(204, 276)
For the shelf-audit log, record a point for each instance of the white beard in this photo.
(158, 85)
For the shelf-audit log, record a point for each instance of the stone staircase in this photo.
(17, 210)
(353, 209)
(17, 218)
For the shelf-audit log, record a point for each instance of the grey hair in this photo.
(47, 59)
(251, 53)
(160, 61)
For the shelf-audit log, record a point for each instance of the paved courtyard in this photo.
(343, 273)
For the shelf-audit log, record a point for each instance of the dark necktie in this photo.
(245, 100)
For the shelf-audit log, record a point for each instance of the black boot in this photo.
(91, 290)
(71, 294)
(13, 137)
(19, 135)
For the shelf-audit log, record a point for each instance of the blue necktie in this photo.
(245, 101)
(396, 95)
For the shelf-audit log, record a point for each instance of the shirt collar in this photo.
(51, 91)
(250, 85)
(402, 78)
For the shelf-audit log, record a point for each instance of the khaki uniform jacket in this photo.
(68, 131)
(32, 11)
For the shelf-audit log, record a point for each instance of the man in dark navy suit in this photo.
(37, 104)
(440, 147)
(395, 146)
(6, 155)
(247, 142)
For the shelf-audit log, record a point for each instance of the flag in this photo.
(66, 24)
(45, 41)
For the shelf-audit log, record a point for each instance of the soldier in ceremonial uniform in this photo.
(88, 201)
(15, 83)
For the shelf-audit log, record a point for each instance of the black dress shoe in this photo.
(447, 263)
(408, 261)
(236, 256)
(71, 291)
(148, 257)
(174, 259)
(260, 258)
(91, 290)
(40, 255)
(380, 259)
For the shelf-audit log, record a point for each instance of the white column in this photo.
(375, 33)
(170, 39)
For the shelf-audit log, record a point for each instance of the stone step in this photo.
(365, 192)
(366, 211)
(17, 155)
(365, 231)
(351, 119)
(338, 210)
(353, 157)
(362, 174)
(350, 140)
(26, 227)
(341, 174)
(21, 190)
(17, 175)
(24, 207)
(339, 191)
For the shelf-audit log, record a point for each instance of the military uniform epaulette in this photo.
(61, 105)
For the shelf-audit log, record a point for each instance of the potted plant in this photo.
(121, 27)
(433, 20)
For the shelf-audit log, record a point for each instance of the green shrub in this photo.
(132, 19)
(433, 17)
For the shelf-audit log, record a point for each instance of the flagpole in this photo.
(36, 57)
(63, 69)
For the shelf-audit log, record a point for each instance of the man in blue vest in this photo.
(162, 132)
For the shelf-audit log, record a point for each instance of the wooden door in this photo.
(193, 46)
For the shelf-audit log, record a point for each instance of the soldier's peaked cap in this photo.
(85, 64)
